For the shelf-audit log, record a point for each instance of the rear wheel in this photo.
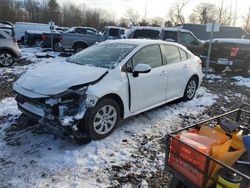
(38, 43)
(56, 47)
(102, 119)
(6, 59)
(190, 90)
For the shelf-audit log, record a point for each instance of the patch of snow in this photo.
(241, 81)
(65, 163)
(8, 106)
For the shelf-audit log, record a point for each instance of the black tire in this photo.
(110, 123)
(218, 68)
(79, 47)
(246, 71)
(7, 59)
(176, 183)
(56, 47)
(38, 43)
(190, 89)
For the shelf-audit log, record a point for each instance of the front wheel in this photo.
(103, 119)
(190, 90)
(6, 59)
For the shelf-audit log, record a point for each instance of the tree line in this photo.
(69, 14)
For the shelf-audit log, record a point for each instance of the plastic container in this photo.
(202, 143)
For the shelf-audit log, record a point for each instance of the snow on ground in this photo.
(62, 164)
(241, 81)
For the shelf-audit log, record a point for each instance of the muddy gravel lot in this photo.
(133, 156)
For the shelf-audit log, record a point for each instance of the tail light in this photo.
(199, 61)
(234, 52)
(43, 37)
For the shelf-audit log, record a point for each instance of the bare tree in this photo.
(193, 18)
(246, 20)
(175, 13)
(205, 12)
(132, 16)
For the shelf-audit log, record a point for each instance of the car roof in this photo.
(175, 29)
(139, 42)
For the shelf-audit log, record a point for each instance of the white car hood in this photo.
(55, 78)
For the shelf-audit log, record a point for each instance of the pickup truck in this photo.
(181, 36)
(233, 53)
(78, 38)
(33, 38)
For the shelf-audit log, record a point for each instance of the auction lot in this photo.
(133, 156)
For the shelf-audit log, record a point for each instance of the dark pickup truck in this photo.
(233, 53)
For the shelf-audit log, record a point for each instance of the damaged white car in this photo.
(90, 93)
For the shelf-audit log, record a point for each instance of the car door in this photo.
(147, 89)
(177, 71)
(92, 36)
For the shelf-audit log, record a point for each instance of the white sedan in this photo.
(90, 93)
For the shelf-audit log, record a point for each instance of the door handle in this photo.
(163, 73)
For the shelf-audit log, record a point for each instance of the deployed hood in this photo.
(55, 78)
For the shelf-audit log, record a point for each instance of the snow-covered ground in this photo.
(43, 160)
(241, 81)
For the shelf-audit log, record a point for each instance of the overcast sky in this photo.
(155, 8)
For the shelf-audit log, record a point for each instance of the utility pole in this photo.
(145, 10)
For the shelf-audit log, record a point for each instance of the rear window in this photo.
(172, 54)
(146, 33)
(114, 32)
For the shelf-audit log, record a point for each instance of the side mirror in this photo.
(141, 68)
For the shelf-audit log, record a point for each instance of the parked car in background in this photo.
(112, 32)
(181, 36)
(8, 27)
(9, 50)
(108, 82)
(144, 32)
(184, 37)
(79, 38)
(21, 27)
(234, 53)
(33, 38)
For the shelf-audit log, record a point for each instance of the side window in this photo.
(80, 30)
(172, 54)
(187, 38)
(91, 32)
(150, 55)
(183, 54)
(170, 35)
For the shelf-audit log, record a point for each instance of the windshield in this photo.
(106, 55)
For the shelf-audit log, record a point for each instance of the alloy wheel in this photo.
(6, 59)
(191, 89)
(105, 119)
